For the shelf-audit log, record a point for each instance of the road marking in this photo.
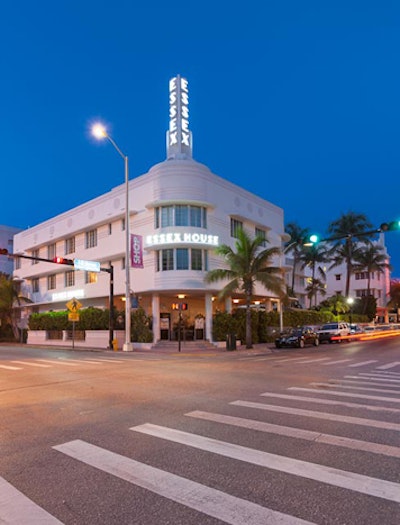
(56, 362)
(319, 415)
(17, 509)
(8, 367)
(337, 362)
(340, 478)
(360, 382)
(290, 359)
(345, 394)
(105, 360)
(314, 360)
(348, 387)
(80, 361)
(28, 363)
(209, 501)
(373, 377)
(332, 402)
(389, 365)
(363, 363)
(295, 432)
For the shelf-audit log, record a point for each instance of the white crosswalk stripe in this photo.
(17, 509)
(389, 365)
(363, 363)
(212, 502)
(9, 367)
(29, 363)
(346, 394)
(349, 387)
(339, 478)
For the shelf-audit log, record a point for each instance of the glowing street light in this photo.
(99, 132)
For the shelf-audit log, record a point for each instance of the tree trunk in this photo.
(248, 323)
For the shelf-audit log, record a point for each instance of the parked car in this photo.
(355, 331)
(330, 332)
(298, 337)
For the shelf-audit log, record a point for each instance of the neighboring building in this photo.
(336, 281)
(6, 242)
(179, 212)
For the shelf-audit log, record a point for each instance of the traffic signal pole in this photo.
(70, 262)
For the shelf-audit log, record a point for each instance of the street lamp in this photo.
(350, 302)
(100, 132)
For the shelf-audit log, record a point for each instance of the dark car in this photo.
(298, 337)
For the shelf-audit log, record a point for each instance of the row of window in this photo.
(180, 215)
(237, 225)
(181, 259)
(69, 280)
(360, 276)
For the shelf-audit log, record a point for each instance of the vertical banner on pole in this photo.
(136, 251)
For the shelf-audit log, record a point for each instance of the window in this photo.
(51, 282)
(235, 227)
(361, 275)
(17, 263)
(35, 285)
(167, 216)
(90, 277)
(51, 251)
(91, 239)
(180, 215)
(109, 228)
(123, 224)
(69, 245)
(362, 293)
(167, 257)
(338, 276)
(69, 278)
(123, 263)
(35, 253)
(182, 259)
(263, 235)
(196, 259)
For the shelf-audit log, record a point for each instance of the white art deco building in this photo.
(179, 212)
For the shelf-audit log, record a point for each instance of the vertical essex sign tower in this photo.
(179, 137)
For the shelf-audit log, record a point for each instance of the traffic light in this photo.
(61, 260)
(390, 226)
(3, 251)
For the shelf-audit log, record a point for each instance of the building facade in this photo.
(6, 242)
(179, 213)
(336, 281)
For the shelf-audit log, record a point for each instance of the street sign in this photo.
(74, 305)
(88, 266)
(74, 317)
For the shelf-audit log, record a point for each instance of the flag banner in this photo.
(136, 251)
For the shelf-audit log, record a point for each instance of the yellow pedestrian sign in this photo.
(74, 305)
(74, 317)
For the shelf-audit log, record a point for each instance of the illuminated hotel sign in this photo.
(182, 238)
(65, 296)
(179, 137)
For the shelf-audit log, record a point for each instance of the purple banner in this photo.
(136, 251)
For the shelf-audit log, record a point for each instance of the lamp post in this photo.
(100, 132)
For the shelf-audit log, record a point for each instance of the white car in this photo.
(330, 332)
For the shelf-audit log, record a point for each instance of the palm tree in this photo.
(349, 226)
(371, 258)
(315, 287)
(295, 246)
(9, 297)
(313, 256)
(246, 266)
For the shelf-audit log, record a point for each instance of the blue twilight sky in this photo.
(296, 101)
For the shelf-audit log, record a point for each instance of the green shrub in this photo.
(141, 327)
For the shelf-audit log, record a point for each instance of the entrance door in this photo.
(165, 326)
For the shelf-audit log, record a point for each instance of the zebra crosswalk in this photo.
(266, 419)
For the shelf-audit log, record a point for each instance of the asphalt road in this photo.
(288, 437)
